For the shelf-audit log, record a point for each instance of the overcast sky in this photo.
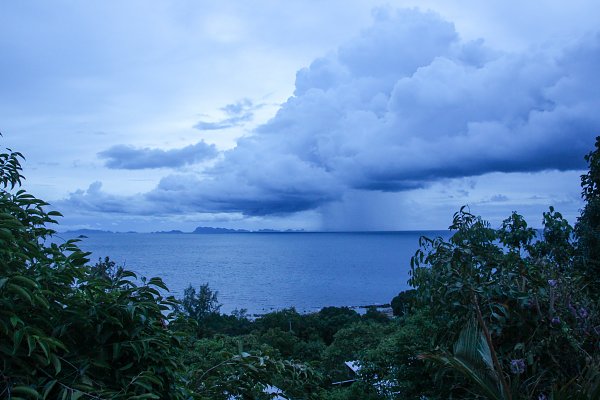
(317, 115)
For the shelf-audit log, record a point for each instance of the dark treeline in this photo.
(493, 314)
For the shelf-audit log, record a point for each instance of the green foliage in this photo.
(357, 391)
(350, 343)
(198, 306)
(215, 323)
(526, 295)
(285, 320)
(10, 169)
(472, 357)
(201, 310)
(588, 224)
(558, 246)
(394, 357)
(221, 368)
(373, 314)
(329, 320)
(69, 330)
(316, 326)
(403, 303)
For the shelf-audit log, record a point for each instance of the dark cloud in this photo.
(237, 114)
(186, 194)
(129, 157)
(281, 186)
(409, 103)
(406, 104)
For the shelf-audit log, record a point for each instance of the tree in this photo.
(588, 223)
(403, 302)
(68, 329)
(537, 323)
(200, 305)
(223, 368)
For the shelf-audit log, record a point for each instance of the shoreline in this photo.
(360, 310)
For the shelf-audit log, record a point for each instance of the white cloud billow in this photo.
(405, 104)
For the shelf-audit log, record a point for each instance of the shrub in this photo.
(537, 329)
(68, 329)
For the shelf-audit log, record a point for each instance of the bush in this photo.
(588, 224)
(403, 303)
(533, 316)
(68, 329)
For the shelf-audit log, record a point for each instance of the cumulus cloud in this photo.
(409, 103)
(94, 199)
(236, 113)
(406, 104)
(443, 109)
(129, 157)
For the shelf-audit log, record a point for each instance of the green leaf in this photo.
(14, 320)
(159, 283)
(126, 366)
(56, 363)
(41, 300)
(26, 390)
(56, 343)
(145, 396)
(21, 291)
(44, 347)
(76, 395)
(17, 337)
(31, 344)
(143, 384)
(128, 274)
(48, 388)
(116, 350)
(25, 281)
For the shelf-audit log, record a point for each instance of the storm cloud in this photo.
(404, 105)
(129, 157)
(409, 103)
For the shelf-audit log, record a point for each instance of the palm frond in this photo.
(472, 358)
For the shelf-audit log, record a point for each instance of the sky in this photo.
(315, 115)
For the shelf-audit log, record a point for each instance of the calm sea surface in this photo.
(267, 271)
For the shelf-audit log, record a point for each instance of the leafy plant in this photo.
(529, 293)
(199, 305)
(223, 369)
(472, 357)
(68, 330)
(588, 224)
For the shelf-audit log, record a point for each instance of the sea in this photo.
(264, 272)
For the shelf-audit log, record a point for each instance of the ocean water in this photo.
(262, 272)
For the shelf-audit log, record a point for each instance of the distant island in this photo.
(208, 229)
(213, 230)
(198, 230)
(89, 231)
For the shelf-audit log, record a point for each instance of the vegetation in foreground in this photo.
(494, 314)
